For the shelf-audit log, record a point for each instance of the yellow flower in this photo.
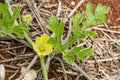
(41, 47)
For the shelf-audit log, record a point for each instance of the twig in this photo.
(21, 41)
(68, 72)
(118, 19)
(73, 11)
(48, 61)
(75, 65)
(101, 29)
(103, 60)
(103, 72)
(64, 71)
(78, 76)
(10, 78)
(118, 78)
(59, 8)
(28, 67)
(36, 15)
(11, 48)
(14, 59)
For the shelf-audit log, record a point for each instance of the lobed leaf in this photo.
(90, 33)
(84, 53)
(7, 22)
(101, 10)
(57, 28)
(80, 52)
(97, 17)
(69, 58)
(19, 30)
(77, 19)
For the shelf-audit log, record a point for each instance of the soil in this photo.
(10, 48)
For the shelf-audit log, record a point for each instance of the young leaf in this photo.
(68, 58)
(60, 29)
(90, 33)
(75, 30)
(80, 52)
(84, 53)
(97, 17)
(77, 19)
(7, 22)
(19, 30)
(16, 13)
(54, 22)
(99, 20)
(5, 11)
(53, 41)
(56, 27)
(89, 14)
(101, 10)
(89, 9)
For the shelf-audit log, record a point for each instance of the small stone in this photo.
(73, 3)
(30, 75)
(2, 72)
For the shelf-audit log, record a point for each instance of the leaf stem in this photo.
(16, 23)
(44, 71)
(28, 38)
(31, 42)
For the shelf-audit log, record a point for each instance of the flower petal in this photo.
(42, 41)
(49, 49)
(37, 40)
(36, 48)
(44, 38)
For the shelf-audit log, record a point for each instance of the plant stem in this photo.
(16, 23)
(44, 71)
(28, 39)
(31, 42)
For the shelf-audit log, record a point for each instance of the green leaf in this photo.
(7, 22)
(16, 13)
(89, 11)
(56, 27)
(77, 18)
(60, 29)
(73, 39)
(53, 25)
(1, 7)
(75, 30)
(19, 30)
(99, 20)
(54, 22)
(90, 33)
(101, 10)
(5, 11)
(82, 54)
(53, 41)
(68, 58)
(97, 17)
